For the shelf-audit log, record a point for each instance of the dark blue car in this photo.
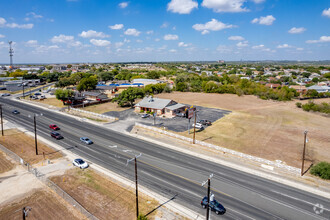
(214, 206)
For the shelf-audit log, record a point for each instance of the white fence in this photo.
(276, 163)
(94, 114)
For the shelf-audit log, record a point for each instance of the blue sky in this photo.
(64, 31)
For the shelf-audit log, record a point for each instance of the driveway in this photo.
(127, 119)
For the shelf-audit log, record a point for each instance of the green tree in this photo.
(64, 94)
(69, 66)
(87, 83)
(153, 75)
(128, 96)
(322, 170)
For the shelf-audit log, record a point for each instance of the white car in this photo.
(80, 163)
(198, 126)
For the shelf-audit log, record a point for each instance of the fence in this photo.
(93, 113)
(49, 183)
(277, 163)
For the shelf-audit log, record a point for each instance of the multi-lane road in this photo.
(175, 174)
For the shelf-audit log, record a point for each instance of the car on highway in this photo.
(80, 163)
(56, 135)
(198, 126)
(5, 94)
(15, 112)
(214, 206)
(54, 127)
(86, 140)
(145, 116)
(205, 122)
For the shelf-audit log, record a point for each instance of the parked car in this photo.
(80, 163)
(214, 206)
(54, 127)
(205, 122)
(56, 135)
(42, 97)
(5, 94)
(86, 140)
(15, 112)
(198, 126)
(145, 116)
(181, 114)
(37, 93)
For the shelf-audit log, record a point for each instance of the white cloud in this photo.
(132, 31)
(268, 20)
(92, 33)
(258, 1)
(2, 36)
(45, 49)
(182, 44)
(213, 25)
(283, 46)
(326, 12)
(224, 49)
(126, 40)
(32, 15)
(261, 46)
(296, 30)
(225, 5)
(299, 48)
(172, 51)
(116, 26)
(32, 43)
(119, 44)
(74, 44)
(171, 37)
(100, 43)
(164, 25)
(2, 22)
(322, 39)
(181, 6)
(139, 41)
(123, 4)
(62, 38)
(157, 39)
(21, 26)
(242, 44)
(240, 38)
(149, 32)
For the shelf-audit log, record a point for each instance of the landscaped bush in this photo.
(148, 112)
(298, 104)
(322, 170)
(141, 111)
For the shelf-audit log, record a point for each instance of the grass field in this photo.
(103, 198)
(104, 107)
(51, 101)
(44, 204)
(263, 128)
(5, 164)
(24, 146)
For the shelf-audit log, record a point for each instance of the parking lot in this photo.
(177, 124)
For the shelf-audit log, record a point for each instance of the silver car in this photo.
(86, 140)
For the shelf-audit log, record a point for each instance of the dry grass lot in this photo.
(101, 197)
(5, 164)
(44, 204)
(104, 107)
(264, 128)
(51, 101)
(24, 146)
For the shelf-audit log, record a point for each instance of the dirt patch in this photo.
(44, 204)
(263, 128)
(104, 107)
(101, 197)
(24, 146)
(5, 164)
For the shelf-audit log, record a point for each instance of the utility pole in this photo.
(303, 155)
(136, 183)
(136, 191)
(208, 195)
(23, 213)
(1, 120)
(194, 127)
(35, 134)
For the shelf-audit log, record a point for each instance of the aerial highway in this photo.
(173, 174)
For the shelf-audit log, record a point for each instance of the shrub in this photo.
(148, 112)
(142, 217)
(322, 170)
(298, 104)
(141, 111)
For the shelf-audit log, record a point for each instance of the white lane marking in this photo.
(127, 151)
(114, 146)
(310, 203)
(233, 210)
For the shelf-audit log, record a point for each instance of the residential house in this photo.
(320, 89)
(95, 95)
(273, 85)
(166, 107)
(299, 88)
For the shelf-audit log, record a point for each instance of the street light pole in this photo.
(1, 120)
(35, 134)
(136, 191)
(194, 128)
(303, 155)
(208, 195)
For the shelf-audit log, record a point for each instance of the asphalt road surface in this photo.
(173, 174)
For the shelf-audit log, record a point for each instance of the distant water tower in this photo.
(11, 54)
